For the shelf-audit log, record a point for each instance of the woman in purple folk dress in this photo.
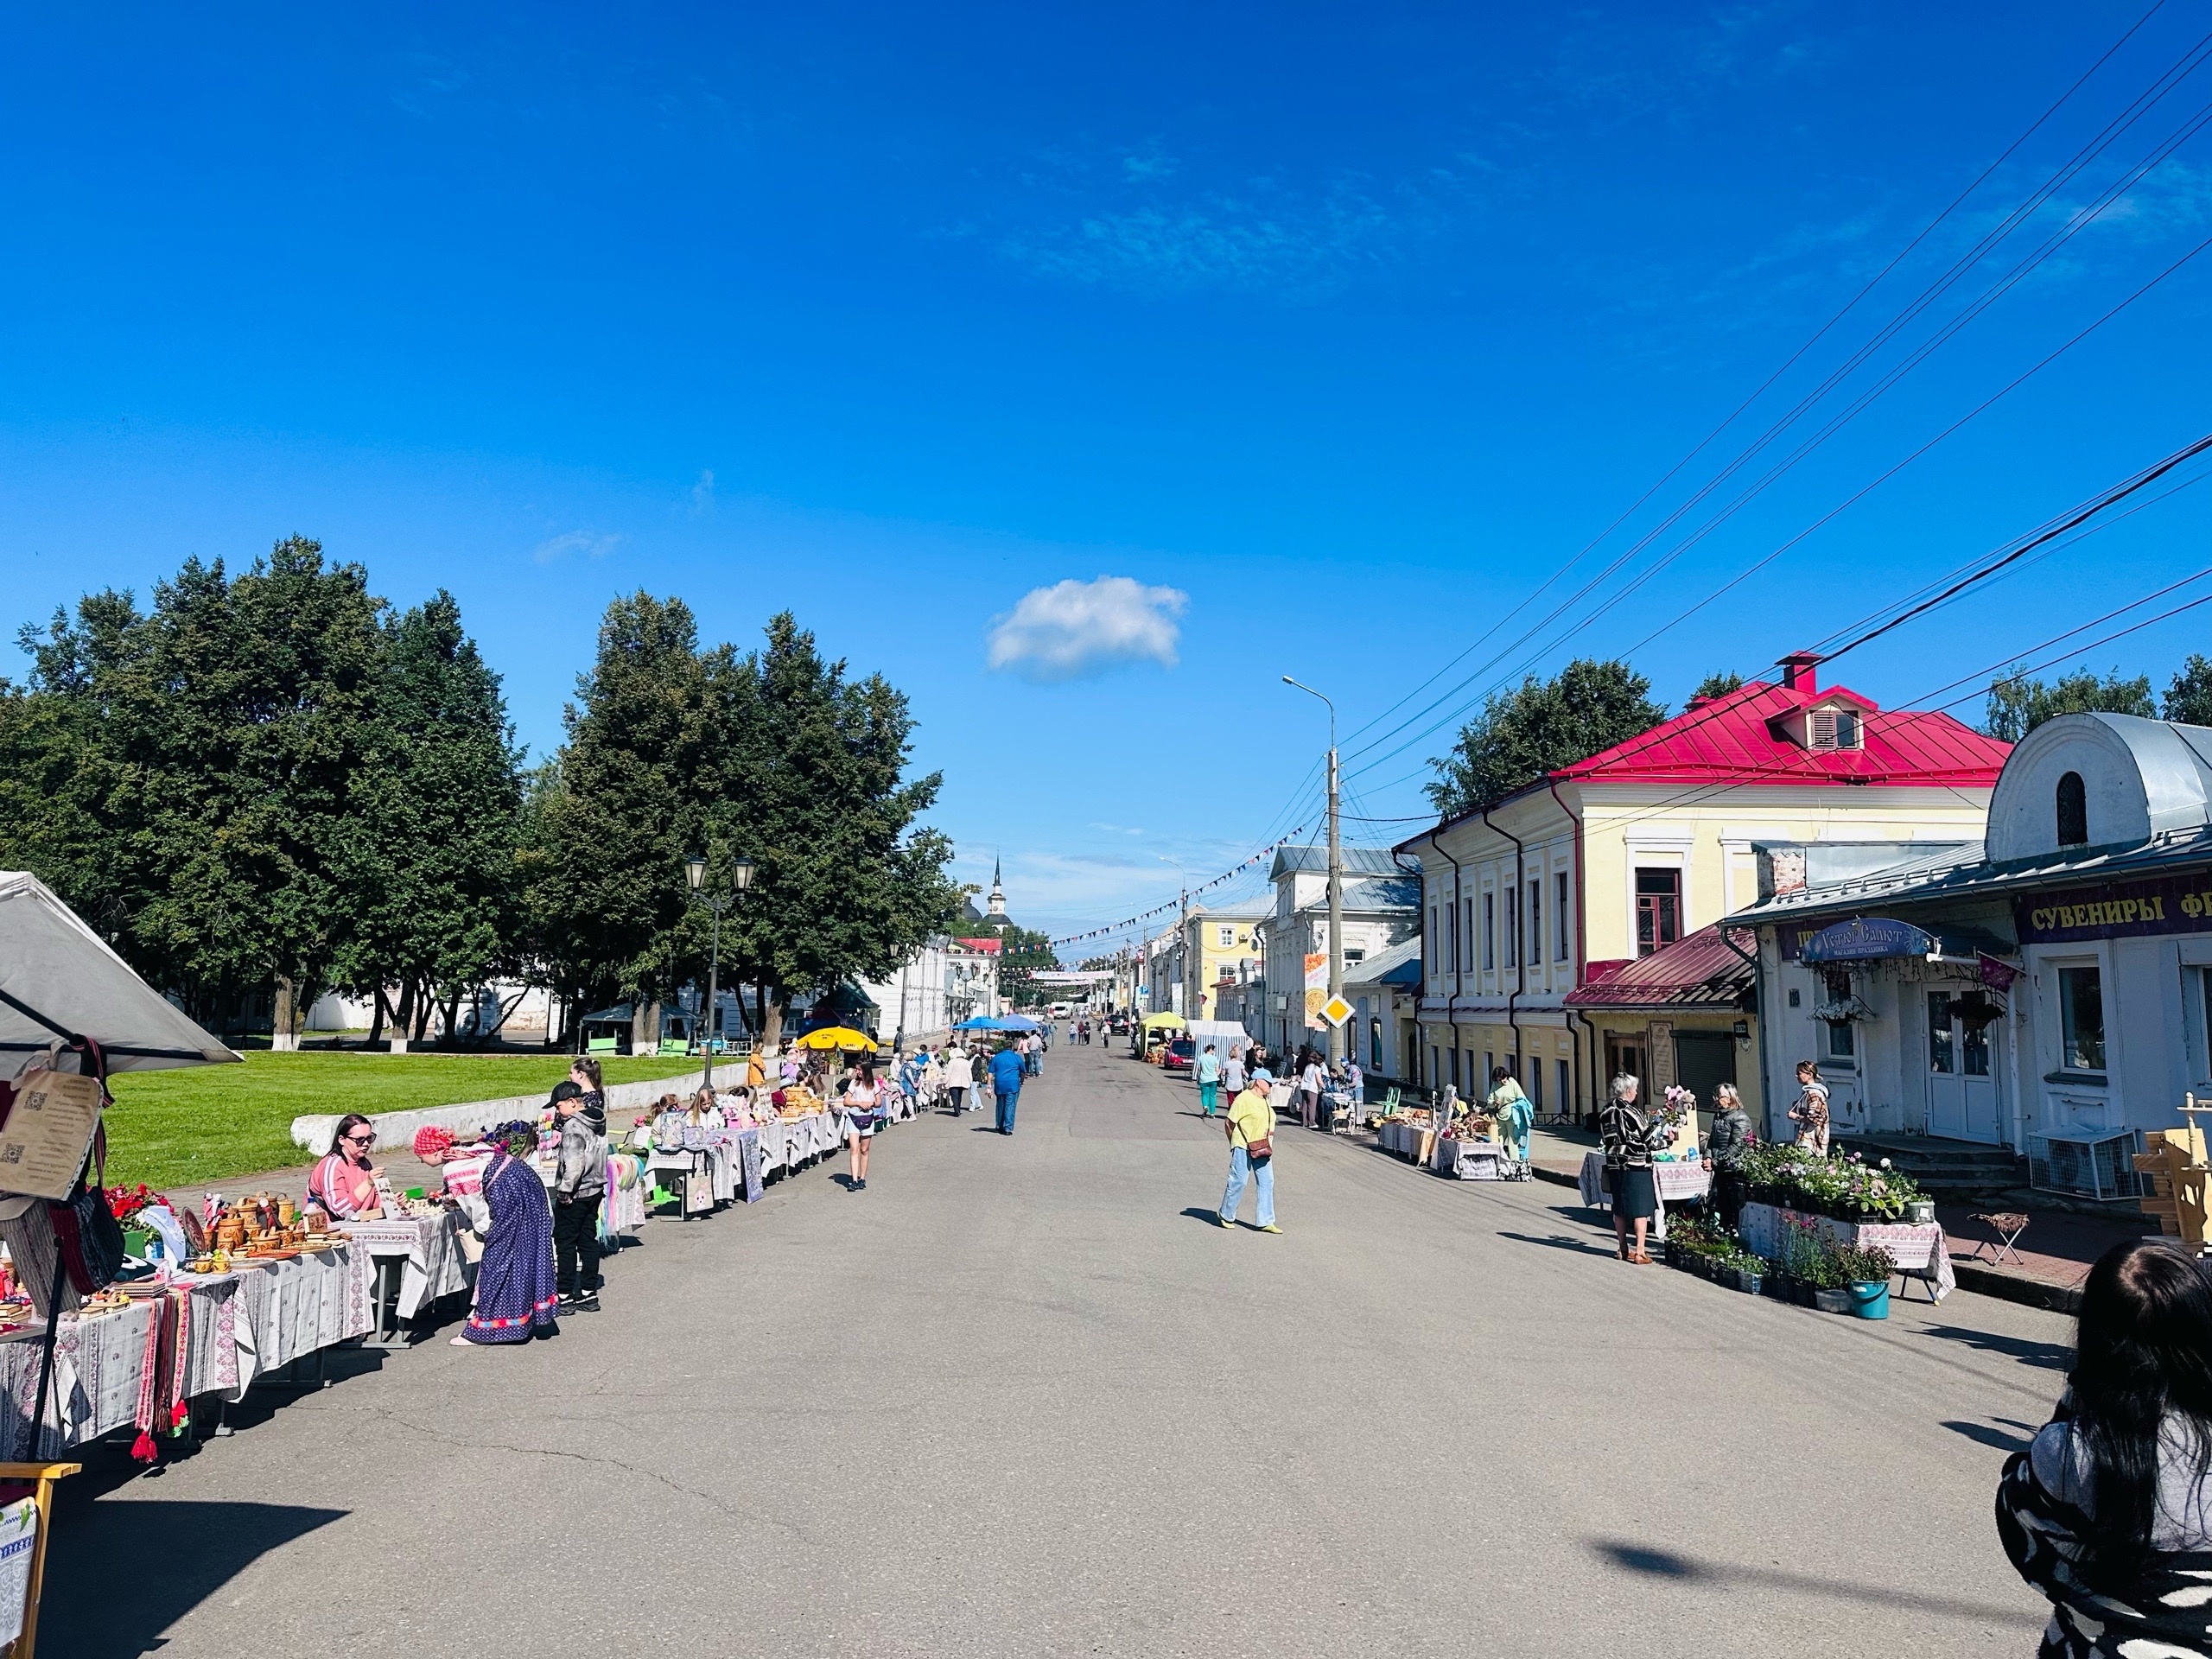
(517, 1294)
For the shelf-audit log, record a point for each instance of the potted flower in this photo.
(1866, 1281)
(125, 1204)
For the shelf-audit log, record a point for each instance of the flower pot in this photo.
(1834, 1301)
(135, 1239)
(1728, 1277)
(1752, 1284)
(1869, 1300)
(1803, 1293)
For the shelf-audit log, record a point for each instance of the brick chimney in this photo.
(1797, 670)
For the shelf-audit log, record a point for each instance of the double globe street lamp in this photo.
(741, 878)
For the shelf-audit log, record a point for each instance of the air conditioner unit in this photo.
(2097, 1164)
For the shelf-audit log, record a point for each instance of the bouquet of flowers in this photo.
(124, 1203)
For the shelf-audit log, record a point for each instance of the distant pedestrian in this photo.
(1627, 1134)
(863, 1102)
(1033, 1048)
(1510, 1109)
(579, 1188)
(1810, 1114)
(1006, 1083)
(1251, 1156)
(1232, 1073)
(517, 1294)
(1209, 1074)
(959, 1077)
(2107, 1511)
(1310, 1084)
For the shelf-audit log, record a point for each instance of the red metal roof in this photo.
(1700, 971)
(1735, 739)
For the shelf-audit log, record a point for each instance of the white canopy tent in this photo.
(58, 978)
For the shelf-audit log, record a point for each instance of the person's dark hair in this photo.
(868, 1073)
(2142, 1358)
(346, 1125)
(1498, 1074)
(589, 1067)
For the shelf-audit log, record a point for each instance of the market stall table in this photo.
(1919, 1249)
(416, 1261)
(1676, 1181)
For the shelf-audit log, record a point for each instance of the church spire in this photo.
(998, 892)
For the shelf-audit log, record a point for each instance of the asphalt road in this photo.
(1021, 1397)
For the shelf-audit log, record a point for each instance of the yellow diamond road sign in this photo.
(1336, 1010)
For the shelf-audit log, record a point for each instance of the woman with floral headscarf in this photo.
(517, 1294)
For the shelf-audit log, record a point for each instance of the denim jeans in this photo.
(1240, 1169)
(1009, 1099)
(1030, 1064)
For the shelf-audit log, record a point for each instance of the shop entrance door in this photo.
(1962, 1073)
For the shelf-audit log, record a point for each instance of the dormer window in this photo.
(1835, 728)
(2072, 812)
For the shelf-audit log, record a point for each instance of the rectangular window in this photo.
(1467, 935)
(2081, 1018)
(1512, 925)
(1374, 1047)
(1536, 1088)
(1658, 910)
(1489, 932)
(1226, 937)
(1841, 1046)
(1975, 1044)
(1565, 1081)
(1560, 949)
(1942, 1059)
(1535, 923)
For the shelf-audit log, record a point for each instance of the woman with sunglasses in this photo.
(344, 1182)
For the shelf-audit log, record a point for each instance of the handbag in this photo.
(90, 1237)
(1260, 1151)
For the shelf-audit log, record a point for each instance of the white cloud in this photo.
(1074, 628)
(703, 494)
(587, 542)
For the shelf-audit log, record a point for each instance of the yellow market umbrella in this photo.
(1165, 1021)
(839, 1037)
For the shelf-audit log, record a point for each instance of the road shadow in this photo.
(89, 1607)
(1561, 1241)
(2050, 1356)
(1198, 1212)
(2003, 1440)
(1688, 1569)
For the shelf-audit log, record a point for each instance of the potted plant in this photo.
(1866, 1281)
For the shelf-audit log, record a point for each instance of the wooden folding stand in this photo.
(42, 1476)
(2177, 1173)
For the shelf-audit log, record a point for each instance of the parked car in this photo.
(1182, 1054)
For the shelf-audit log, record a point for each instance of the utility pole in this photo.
(1336, 883)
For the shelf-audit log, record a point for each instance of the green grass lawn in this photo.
(203, 1123)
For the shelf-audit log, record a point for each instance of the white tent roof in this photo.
(58, 977)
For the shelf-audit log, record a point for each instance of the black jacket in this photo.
(1731, 1134)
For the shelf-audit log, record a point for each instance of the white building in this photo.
(1381, 908)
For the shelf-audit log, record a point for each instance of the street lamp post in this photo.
(741, 878)
(1336, 883)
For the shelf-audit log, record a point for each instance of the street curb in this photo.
(1556, 1177)
(2010, 1287)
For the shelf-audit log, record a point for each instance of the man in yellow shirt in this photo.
(1251, 1153)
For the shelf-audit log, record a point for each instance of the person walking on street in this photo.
(1033, 1048)
(1810, 1114)
(1232, 1073)
(1209, 1073)
(1310, 1083)
(1006, 1083)
(1251, 1156)
(1627, 1134)
(959, 1077)
(1724, 1146)
(579, 1186)
(1510, 1109)
(863, 1115)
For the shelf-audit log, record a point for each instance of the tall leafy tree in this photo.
(214, 739)
(2019, 703)
(427, 870)
(1024, 954)
(1719, 683)
(1540, 727)
(2189, 698)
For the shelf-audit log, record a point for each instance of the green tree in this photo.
(1024, 954)
(1719, 683)
(1542, 726)
(2188, 699)
(214, 739)
(429, 872)
(2018, 704)
(845, 884)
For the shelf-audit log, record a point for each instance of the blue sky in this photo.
(1327, 333)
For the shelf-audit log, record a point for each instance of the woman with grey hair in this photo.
(1626, 1131)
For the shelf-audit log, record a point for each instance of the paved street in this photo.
(1022, 1397)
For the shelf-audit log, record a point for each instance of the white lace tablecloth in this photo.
(1676, 1182)
(431, 1245)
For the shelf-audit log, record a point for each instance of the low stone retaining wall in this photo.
(397, 1128)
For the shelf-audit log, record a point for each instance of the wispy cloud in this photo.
(590, 543)
(703, 493)
(1075, 628)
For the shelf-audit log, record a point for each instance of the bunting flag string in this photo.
(1267, 851)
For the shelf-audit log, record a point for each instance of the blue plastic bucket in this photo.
(1870, 1301)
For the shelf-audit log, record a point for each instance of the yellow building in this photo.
(1618, 856)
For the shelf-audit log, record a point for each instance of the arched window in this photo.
(2072, 812)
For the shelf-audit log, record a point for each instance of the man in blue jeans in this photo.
(1006, 1083)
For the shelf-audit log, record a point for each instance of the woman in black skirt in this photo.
(1627, 1134)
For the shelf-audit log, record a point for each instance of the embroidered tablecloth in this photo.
(431, 1246)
